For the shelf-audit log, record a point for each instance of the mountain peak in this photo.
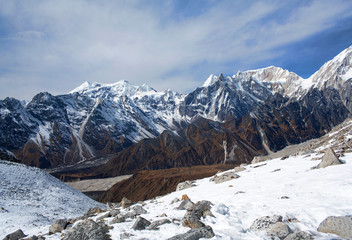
(210, 80)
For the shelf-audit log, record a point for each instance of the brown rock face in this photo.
(149, 184)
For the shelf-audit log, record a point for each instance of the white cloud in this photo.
(68, 42)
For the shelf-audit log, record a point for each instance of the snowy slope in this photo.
(286, 187)
(31, 199)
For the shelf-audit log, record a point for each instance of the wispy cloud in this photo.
(55, 45)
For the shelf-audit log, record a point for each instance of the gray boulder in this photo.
(125, 235)
(155, 224)
(118, 219)
(185, 185)
(15, 235)
(58, 226)
(92, 212)
(193, 215)
(300, 235)
(329, 159)
(224, 177)
(175, 200)
(341, 226)
(88, 230)
(125, 203)
(279, 229)
(138, 210)
(185, 204)
(239, 169)
(265, 223)
(141, 223)
(195, 234)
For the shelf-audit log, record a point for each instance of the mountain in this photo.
(31, 199)
(260, 109)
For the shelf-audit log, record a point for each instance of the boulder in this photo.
(299, 235)
(185, 204)
(264, 223)
(138, 210)
(88, 230)
(194, 214)
(224, 177)
(15, 235)
(175, 200)
(118, 219)
(185, 185)
(341, 226)
(125, 203)
(195, 234)
(279, 229)
(92, 212)
(58, 226)
(141, 223)
(155, 224)
(102, 217)
(239, 169)
(329, 159)
(126, 235)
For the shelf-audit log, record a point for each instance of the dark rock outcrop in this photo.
(15, 235)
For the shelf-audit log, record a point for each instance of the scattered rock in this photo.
(264, 223)
(155, 224)
(163, 215)
(276, 170)
(184, 197)
(239, 192)
(126, 235)
(300, 235)
(279, 229)
(284, 197)
(341, 226)
(141, 223)
(88, 230)
(284, 157)
(138, 210)
(329, 159)
(194, 214)
(230, 185)
(102, 217)
(15, 235)
(92, 211)
(125, 203)
(261, 165)
(195, 234)
(111, 206)
(114, 212)
(185, 204)
(34, 237)
(239, 169)
(58, 226)
(175, 201)
(118, 219)
(185, 185)
(224, 177)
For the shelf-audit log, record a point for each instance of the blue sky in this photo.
(54, 46)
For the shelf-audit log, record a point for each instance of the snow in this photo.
(31, 199)
(347, 75)
(210, 80)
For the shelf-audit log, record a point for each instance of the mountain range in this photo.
(229, 119)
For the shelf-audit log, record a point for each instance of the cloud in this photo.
(57, 45)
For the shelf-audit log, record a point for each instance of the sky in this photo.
(55, 46)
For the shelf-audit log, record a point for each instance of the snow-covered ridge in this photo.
(31, 199)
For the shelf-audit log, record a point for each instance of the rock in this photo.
(163, 215)
(279, 229)
(184, 197)
(118, 219)
(300, 235)
(175, 201)
(224, 177)
(185, 204)
(194, 214)
(125, 203)
(341, 226)
(111, 206)
(88, 230)
(155, 224)
(15, 235)
(102, 217)
(141, 223)
(126, 235)
(239, 169)
(284, 197)
(185, 185)
(284, 157)
(58, 226)
(114, 212)
(34, 237)
(264, 223)
(92, 211)
(195, 234)
(138, 210)
(329, 159)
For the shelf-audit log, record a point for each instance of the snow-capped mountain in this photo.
(96, 120)
(31, 199)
